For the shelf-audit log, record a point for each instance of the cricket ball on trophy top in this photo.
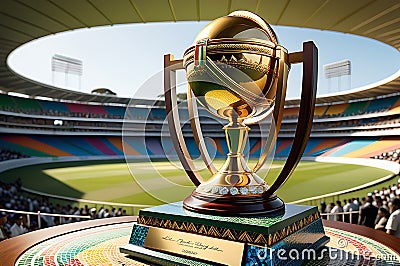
(232, 68)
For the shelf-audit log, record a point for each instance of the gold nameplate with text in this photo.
(195, 246)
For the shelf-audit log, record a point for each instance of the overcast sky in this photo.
(123, 57)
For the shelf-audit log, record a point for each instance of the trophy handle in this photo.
(170, 67)
(278, 106)
(197, 133)
(309, 57)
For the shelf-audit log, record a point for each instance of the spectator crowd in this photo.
(10, 155)
(393, 156)
(13, 224)
(379, 210)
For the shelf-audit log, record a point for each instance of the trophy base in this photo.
(169, 234)
(233, 205)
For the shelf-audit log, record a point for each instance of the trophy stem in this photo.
(236, 137)
(235, 171)
(235, 166)
(235, 188)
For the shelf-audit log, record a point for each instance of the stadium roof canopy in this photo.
(22, 21)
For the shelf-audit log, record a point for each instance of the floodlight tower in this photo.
(337, 70)
(68, 66)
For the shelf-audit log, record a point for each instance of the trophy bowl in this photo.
(233, 69)
(232, 66)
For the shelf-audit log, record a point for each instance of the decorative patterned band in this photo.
(230, 234)
(229, 46)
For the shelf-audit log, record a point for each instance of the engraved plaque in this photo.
(195, 246)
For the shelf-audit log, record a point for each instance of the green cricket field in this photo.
(157, 182)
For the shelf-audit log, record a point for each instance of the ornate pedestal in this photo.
(169, 234)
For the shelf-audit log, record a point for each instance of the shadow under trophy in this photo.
(237, 71)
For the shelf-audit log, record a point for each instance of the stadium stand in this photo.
(291, 112)
(380, 105)
(54, 107)
(7, 103)
(334, 110)
(12, 198)
(395, 109)
(104, 122)
(136, 146)
(359, 129)
(43, 145)
(383, 144)
(389, 104)
(356, 108)
(138, 113)
(158, 114)
(362, 148)
(57, 108)
(348, 147)
(28, 105)
(154, 147)
(115, 111)
(320, 110)
(325, 145)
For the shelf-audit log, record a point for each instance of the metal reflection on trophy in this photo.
(237, 70)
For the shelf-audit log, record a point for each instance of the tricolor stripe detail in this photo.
(200, 53)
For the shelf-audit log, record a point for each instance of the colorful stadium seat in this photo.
(60, 107)
(380, 104)
(355, 108)
(336, 109)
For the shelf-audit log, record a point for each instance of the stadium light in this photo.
(337, 70)
(68, 66)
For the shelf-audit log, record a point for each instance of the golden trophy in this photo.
(237, 71)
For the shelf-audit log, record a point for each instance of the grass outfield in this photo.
(111, 180)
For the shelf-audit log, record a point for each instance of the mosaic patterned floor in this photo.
(95, 246)
(100, 246)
